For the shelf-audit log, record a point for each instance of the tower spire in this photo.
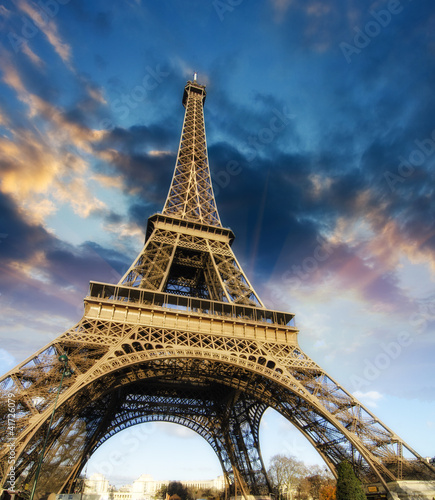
(187, 251)
(191, 195)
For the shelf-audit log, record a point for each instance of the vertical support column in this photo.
(239, 426)
(399, 461)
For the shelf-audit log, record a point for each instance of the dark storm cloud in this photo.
(144, 176)
(74, 266)
(19, 239)
(139, 137)
(141, 156)
(103, 22)
(260, 128)
(113, 218)
(66, 266)
(283, 190)
(139, 212)
(379, 135)
(279, 188)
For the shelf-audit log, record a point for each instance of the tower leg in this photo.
(239, 424)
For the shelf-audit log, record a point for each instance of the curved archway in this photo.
(228, 383)
(164, 450)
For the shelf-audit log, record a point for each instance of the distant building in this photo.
(144, 488)
(97, 484)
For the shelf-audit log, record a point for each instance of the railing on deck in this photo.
(139, 296)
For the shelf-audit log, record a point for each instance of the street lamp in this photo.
(66, 372)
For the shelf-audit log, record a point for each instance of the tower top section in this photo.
(191, 195)
(194, 86)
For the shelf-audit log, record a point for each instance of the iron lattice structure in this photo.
(184, 338)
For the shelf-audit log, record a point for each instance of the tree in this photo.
(208, 493)
(285, 473)
(312, 485)
(302, 489)
(328, 492)
(323, 484)
(174, 489)
(348, 486)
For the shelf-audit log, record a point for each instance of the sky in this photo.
(320, 120)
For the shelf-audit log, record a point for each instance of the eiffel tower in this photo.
(184, 338)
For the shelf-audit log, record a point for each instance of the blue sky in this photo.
(320, 121)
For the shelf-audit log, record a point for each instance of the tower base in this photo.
(402, 490)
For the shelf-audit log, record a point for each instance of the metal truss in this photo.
(224, 417)
(190, 259)
(215, 381)
(184, 338)
(191, 194)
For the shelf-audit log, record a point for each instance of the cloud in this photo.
(178, 431)
(280, 7)
(131, 156)
(370, 398)
(49, 28)
(32, 56)
(7, 361)
(316, 197)
(95, 93)
(36, 163)
(42, 274)
(31, 168)
(4, 12)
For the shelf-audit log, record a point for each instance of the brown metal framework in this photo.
(184, 338)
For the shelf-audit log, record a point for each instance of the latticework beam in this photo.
(112, 356)
(191, 194)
